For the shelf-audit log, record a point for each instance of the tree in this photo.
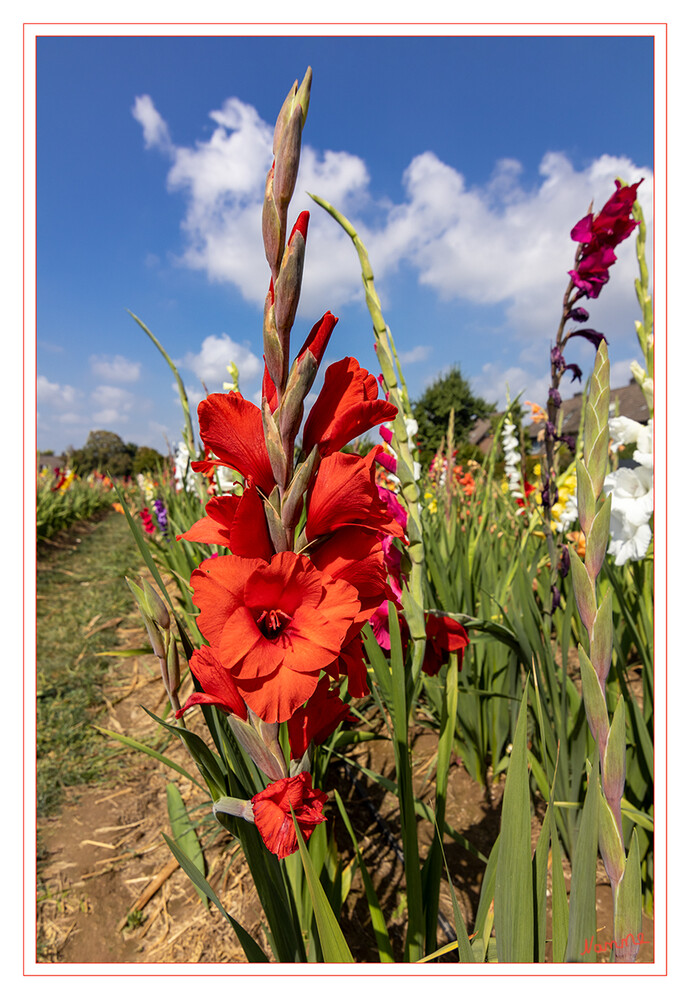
(147, 459)
(432, 411)
(104, 451)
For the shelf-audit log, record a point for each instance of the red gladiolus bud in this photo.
(318, 338)
(288, 284)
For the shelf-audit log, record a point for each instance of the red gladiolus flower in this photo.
(275, 625)
(146, 521)
(218, 685)
(347, 406)
(232, 428)
(345, 494)
(356, 556)
(235, 522)
(317, 719)
(273, 817)
(443, 635)
(393, 505)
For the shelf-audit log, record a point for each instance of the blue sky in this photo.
(463, 163)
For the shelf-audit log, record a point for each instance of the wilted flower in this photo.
(443, 635)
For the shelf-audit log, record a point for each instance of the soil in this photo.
(109, 891)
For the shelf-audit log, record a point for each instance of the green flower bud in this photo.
(273, 225)
(274, 446)
(236, 807)
(595, 702)
(288, 284)
(293, 499)
(172, 681)
(610, 844)
(287, 160)
(268, 758)
(598, 540)
(601, 638)
(300, 380)
(613, 763)
(156, 608)
(584, 590)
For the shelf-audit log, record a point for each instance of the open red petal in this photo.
(218, 685)
(214, 528)
(232, 428)
(346, 407)
(356, 556)
(218, 586)
(345, 493)
(276, 698)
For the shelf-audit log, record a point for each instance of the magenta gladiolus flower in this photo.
(598, 235)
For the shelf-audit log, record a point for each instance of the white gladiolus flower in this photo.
(184, 476)
(511, 458)
(632, 492)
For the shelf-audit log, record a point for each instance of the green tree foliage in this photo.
(106, 452)
(147, 459)
(432, 410)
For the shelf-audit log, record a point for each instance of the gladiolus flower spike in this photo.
(302, 565)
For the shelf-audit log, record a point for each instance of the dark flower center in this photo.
(272, 622)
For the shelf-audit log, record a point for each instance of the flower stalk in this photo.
(159, 629)
(396, 389)
(596, 613)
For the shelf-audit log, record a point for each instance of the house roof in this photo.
(626, 401)
(50, 461)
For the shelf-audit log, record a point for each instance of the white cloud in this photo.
(115, 368)
(156, 133)
(500, 243)
(52, 394)
(223, 179)
(115, 404)
(620, 372)
(495, 381)
(416, 354)
(217, 352)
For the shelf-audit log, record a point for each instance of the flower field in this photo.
(319, 604)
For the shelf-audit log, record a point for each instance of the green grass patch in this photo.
(80, 586)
